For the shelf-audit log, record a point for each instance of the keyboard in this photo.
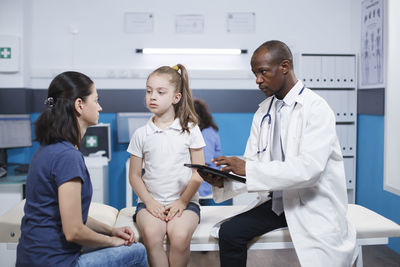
(22, 168)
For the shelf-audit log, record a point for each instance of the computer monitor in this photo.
(15, 131)
(97, 139)
(128, 122)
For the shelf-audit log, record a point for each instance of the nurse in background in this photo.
(209, 130)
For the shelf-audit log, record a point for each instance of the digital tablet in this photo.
(217, 172)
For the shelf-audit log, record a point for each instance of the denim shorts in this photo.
(191, 206)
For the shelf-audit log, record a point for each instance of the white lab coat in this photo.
(312, 179)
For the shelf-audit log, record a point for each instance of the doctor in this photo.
(301, 165)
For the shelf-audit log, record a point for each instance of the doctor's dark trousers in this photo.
(235, 234)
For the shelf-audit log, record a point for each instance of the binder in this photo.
(349, 170)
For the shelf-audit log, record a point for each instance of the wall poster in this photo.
(372, 44)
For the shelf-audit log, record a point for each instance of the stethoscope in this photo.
(269, 119)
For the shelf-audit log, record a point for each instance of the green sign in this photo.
(5, 52)
(91, 141)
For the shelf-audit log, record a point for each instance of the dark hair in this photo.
(279, 51)
(205, 118)
(184, 109)
(58, 121)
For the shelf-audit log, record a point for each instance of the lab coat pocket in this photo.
(302, 202)
(306, 195)
(294, 140)
(295, 145)
(299, 129)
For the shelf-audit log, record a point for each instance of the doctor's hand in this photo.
(232, 164)
(211, 179)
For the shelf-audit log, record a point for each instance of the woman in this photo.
(58, 190)
(209, 130)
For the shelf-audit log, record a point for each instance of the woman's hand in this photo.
(175, 208)
(117, 241)
(125, 233)
(156, 209)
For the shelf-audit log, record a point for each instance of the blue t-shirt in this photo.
(42, 242)
(211, 150)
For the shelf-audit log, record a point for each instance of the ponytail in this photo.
(184, 109)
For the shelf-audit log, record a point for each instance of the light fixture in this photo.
(191, 51)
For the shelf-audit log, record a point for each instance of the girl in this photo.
(58, 189)
(168, 199)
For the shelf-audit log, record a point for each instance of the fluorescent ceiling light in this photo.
(191, 51)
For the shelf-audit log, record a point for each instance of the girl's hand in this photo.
(175, 208)
(125, 233)
(156, 209)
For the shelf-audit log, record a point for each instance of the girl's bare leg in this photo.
(153, 232)
(180, 231)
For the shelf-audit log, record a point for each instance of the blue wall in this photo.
(234, 131)
(369, 190)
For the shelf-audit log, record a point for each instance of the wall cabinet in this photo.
(333, 77)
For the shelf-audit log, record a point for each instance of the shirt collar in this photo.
(176, 124)
(291, 96)
(152, 128)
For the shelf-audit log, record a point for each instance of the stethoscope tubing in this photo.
(268, 116)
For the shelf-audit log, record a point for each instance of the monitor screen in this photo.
(97, 140)
(127, 123)
(15, 130)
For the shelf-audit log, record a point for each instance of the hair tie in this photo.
(175, 67)
(49, 102)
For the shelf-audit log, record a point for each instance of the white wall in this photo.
(392, 96)
(101, 48)
(12, 23)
